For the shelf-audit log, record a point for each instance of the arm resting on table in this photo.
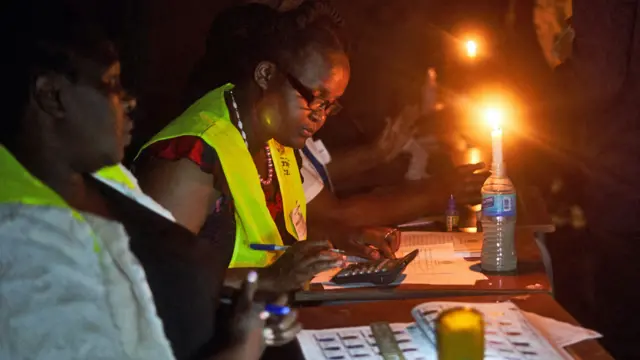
(388, 206)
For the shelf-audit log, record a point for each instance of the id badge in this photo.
(323, 154)
(299, 223)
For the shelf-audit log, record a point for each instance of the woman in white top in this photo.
(70, 288)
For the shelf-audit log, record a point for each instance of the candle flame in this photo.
(494, 117)
(472, 48)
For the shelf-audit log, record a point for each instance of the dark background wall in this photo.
(392, 44)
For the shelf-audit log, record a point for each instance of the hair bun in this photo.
(314, 11)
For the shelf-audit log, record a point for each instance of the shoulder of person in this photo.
(52, 290)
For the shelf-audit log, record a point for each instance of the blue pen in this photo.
(277, 309)
(270, 308)
(270, 247)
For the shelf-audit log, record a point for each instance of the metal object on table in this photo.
(386, 341)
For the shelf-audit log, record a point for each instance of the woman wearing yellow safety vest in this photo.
(70, 287)
(226, 168)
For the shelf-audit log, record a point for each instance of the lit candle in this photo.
(494, 116)
(496, 142)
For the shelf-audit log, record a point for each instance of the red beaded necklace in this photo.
(269, 179)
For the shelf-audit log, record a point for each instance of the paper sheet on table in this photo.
(464, 244)
(561, 333)
(435, 264)
(358, 343)
(355, 342)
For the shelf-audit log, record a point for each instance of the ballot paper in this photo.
(507, 331)
(358, 343)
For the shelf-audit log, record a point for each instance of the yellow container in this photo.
(460, 334)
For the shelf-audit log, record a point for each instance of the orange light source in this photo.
(473, 156)
(494, 116)
(472, 48)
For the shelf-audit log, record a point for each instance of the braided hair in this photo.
(42, 36)
(242, 36)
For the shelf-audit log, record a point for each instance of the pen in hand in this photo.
(269, 247)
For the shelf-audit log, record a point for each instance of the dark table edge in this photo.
(306, 297)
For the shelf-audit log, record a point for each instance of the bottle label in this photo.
(499, 205)
(453, 221)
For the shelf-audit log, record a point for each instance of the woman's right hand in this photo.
(299, 264)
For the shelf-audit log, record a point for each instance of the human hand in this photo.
(370, 243)
(397, 133)
(281, 330)
(248, 331)
(466, 183)
(300, 263)
(247, 323)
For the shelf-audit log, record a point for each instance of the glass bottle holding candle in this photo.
(498, 208)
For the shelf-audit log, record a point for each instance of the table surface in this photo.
(531, 277)
(359, 314)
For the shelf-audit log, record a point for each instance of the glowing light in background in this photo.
(472, 48)
(474, 156)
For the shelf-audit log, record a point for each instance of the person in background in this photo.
(605, 67)
(226, 167)
(70, 287)
(390, 205)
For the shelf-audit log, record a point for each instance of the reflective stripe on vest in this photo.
(116, 174)
(18, 186)
(209, 120)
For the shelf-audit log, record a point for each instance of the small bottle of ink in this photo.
(452, 216)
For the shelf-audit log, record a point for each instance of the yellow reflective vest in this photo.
(209, 120)
(18, 186)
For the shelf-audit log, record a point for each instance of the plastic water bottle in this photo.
(498, 222)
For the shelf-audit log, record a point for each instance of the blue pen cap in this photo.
(277, 309)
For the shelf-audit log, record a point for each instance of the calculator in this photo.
(379, 272)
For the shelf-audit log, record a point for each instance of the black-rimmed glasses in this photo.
(315, 103)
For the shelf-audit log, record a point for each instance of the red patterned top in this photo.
(200, 153)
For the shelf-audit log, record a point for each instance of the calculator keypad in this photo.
(383, 271)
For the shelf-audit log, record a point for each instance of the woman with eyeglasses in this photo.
(72, 285)
(226, 168)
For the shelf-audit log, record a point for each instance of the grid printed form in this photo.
(508, 335)
(355, 343)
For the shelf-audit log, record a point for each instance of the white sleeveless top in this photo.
(62, 299)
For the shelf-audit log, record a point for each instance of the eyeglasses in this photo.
(314, 103)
